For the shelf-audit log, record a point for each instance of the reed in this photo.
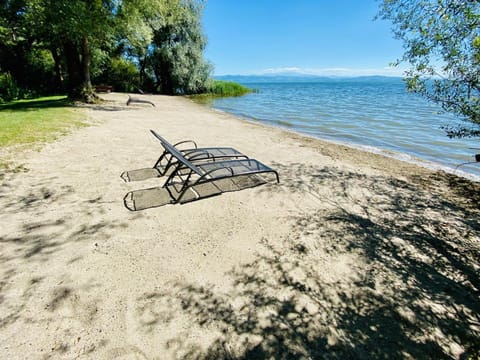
(222, 88)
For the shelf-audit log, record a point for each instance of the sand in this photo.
(352, 255)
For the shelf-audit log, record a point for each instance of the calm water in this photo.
(373, 113)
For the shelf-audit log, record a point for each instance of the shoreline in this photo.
(400, 156)
(352, 254)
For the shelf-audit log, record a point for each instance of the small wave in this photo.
(285, 123)
(376, 114)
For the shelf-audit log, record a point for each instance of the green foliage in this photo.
(32, 68)
(38, 120)
(58, 21)
(220, 88)
(120, 73)
(53, 46)
(27, 60)
(178, 44)
(227, 88)
(8, 88)
(442, 46)
(73, 29)
(39, 74)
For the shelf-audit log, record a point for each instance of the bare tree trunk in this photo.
(58, 67)
(87, 89)
(73, 69)
(142, 71)
(86, 59)
(78, 66)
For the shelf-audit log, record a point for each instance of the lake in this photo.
(372, 113)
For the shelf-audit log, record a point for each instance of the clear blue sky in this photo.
(329, 37)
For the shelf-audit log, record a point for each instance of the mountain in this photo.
(292, 77)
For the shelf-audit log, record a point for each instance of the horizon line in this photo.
(308, 75)
(326, 72)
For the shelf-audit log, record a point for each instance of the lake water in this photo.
(375, 113)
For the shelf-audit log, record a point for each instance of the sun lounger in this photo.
(188, 174)
(195, 154)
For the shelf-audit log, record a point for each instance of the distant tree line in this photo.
(65, 46)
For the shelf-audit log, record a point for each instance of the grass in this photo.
(220, 88)
(35, 121)
(228, 88)
(28, 123)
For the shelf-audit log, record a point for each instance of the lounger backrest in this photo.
(162, 140)
(176, 154)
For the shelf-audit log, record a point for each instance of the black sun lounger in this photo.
(194, 154)
(190, 174)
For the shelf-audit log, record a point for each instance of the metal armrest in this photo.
(212, 171)
(186, 142)
(203, 155)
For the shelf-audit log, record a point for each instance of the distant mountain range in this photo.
(269, 78)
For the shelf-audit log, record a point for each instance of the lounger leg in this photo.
(276, 174)
(159, 161)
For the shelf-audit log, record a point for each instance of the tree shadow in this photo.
(39, 285)
(383, 269)
(111, 108)
(26, 105)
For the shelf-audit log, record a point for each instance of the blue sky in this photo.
(322, 37)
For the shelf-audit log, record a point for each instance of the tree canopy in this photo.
(442, 47)
(152, 44)
(177, 50)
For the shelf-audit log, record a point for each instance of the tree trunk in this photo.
(166, 83)
(73, 69)
(87, 89)
(143, 64)
(58, 67)
(78, 67)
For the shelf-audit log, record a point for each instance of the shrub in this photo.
(124, 75)
(121, 74)
(228, 88)
(8, 87)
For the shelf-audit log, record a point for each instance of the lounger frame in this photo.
(185, 170)
(194, 154)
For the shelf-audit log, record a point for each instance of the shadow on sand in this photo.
(27, 105)
(38, 284)
(159, 196)
(394, 276)
(148, 198)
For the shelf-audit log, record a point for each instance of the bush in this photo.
(228, 88)
(8, 88)
(121, 74)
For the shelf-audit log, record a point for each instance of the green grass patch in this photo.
(228, 88)
(220, 88)
(35, 121)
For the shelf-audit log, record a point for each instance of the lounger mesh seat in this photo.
(195, 154)
(234, 168)
(198, 155)
(187, 174)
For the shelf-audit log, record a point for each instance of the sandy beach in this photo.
(353, 255)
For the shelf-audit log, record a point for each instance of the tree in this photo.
(177, 52)
(165, 39)
(137, 21)
(21, 55)
(70, 29)
(442, 46)
(72, 40)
